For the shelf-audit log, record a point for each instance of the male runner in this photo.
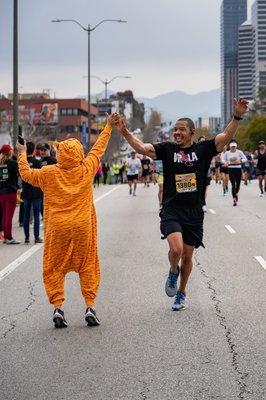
(224, 173)
(159, 180)
(145, 163)
(185, 167)
(233, 159)
(133, 171)
(260, 156)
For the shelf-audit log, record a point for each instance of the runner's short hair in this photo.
(190, 123)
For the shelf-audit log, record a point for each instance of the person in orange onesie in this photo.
(70, 226)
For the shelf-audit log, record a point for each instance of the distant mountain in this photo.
(179, 104)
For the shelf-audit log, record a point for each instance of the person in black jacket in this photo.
(8, 191)
(45, 150)
(46, 159)
(32, 197)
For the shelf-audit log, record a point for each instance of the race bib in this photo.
(3, 173)
(145, 166)
(186, 183)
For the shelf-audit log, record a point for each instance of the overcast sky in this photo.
(166, 45)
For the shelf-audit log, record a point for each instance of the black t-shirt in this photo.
(9, 177)
(185, 172)
(261, 161)
(145, 164)
(28, 191)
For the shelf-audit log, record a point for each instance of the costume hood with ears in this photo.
(70, 153)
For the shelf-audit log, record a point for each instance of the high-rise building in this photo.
(245, 60)
(233, 14)
(259, 66)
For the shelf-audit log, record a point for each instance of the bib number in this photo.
(186, 183)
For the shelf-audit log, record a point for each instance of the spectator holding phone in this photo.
(8, 191)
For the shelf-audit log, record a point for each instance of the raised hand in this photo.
(122, 125)
(21, 148)
(112, 119)
(240, 107)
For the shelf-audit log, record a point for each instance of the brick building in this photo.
(39, 114)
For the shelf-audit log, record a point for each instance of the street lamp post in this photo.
(15, 73)
(89, 30)
(106, 83)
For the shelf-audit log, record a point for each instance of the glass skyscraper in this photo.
(233, 14)
(245, 60)
(259, 65)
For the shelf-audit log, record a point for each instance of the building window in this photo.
(63, 111)
(75, 111)
(69, 128)
(69, 111)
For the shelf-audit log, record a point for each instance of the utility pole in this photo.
(15, 74)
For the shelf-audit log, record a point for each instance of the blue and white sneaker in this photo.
(171, 284)
(179, 303)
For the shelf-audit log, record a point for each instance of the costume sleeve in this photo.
(30, 175)
(94, 157)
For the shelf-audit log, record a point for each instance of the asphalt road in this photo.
(215, 349)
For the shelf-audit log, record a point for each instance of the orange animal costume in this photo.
(70, 225)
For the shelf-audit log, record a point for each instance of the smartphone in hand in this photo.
(21, 140)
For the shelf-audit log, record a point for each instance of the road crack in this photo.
(144, 392)
(220, 314)
(12, 323)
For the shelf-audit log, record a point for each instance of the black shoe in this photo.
(90, 317)
(38, 240)
(27, 241)
(59, 319)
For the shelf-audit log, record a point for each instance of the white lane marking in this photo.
(261, 261)
(12, 266)
(21, 259)
(106, 194)
(230, 229)
(212, 211)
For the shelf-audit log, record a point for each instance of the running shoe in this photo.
(59, 319)
(171, 283)
(38, 240)
(130, 191)
(134, 194)
(11, 241)
(27, 241)
(91, 318)
(234, 202)
(179, 303)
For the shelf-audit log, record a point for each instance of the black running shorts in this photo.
(132, 178)
(260, 172)
(189, 222)
(224, 170)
